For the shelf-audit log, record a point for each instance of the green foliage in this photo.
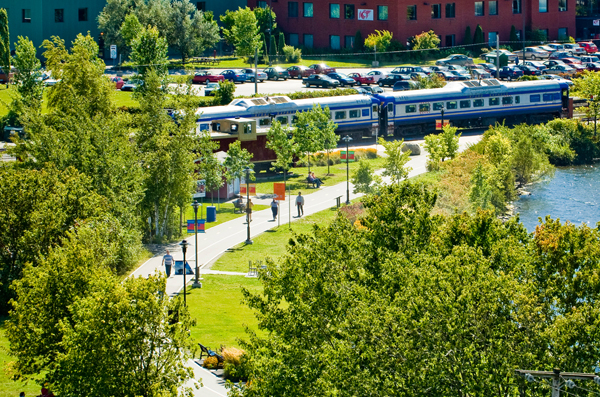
(244, 33)
(281, 140)
(359, 43)
(478, 35)
(209, 167)
(380, 39)
(431, 81)
(272, 47)
(224, 95)
(394, 166)
(588, 87)
(468, 40)
(292, 55)
(572, 142)
(130, 29)
(265, 19)
(4, 40)
(425, 41)
(537, 35)
(149, 53)
(315, 130)
(480, 195)
(514, 39)
(237, 161)
(281, 45)
(27, 78)
(363, 178)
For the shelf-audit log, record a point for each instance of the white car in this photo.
(262, 76)
(377, 75)
(557, 78)
(131, 85)
(574, 48)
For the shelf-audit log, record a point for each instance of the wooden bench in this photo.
(239, 207)
(209, 353)
(309, 183)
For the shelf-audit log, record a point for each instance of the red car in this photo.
(593, 66)
(298, 72)
(322, 68)
(207, 77)
(571, 61)
(588, 46)
(362, 78)
(118, 82)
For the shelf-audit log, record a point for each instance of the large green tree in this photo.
(237, 160)
(149, 53)
(243, 32)
(280, 139)
(395, 160)
(315, 131)
(4, 40)
(27, 79)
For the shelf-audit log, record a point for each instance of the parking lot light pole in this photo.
(197, 283)
(347, 139)
(184, 244)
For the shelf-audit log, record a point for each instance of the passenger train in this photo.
(466, 104)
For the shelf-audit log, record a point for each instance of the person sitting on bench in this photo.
(239, 203)
(316, 180)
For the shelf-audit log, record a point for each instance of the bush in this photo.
(210, 363)
(224, 94)
(292, 55)
(236, 364)
(366, 153)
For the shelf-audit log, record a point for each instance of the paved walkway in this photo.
(220, 238)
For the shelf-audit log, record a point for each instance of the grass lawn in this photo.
(220, 315)
(9, 387)
(224, 214)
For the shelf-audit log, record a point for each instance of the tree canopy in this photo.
(241, 29)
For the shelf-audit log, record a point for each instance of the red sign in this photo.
(190, 226)
(438, 124)
(279, 190)
(252, 189)
(350, 155)
(365, 15)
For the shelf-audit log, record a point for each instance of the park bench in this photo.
(209, 353)
(239, 207)
(309, 183)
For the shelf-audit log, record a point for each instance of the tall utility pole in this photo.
(559, 379)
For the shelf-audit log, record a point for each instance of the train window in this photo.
(534, 98)
(438, 105)
(478, 103)
(424, 107)
(340, 115)
(411, 108)
(217, 126)
(556, 96)
(547, 97)
(234, 127)
(390, 107)
(294, 119)
(365, 112)
(354, 114)
(263, 122)
(248, 129)
(204, 127)
(494, 101)
(517, 99)
(283, 120)
(374, 108)
(507, 100)
(465, 104)
(451, 105)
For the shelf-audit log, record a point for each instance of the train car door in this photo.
(386, 114)
(383, 119)
(390, 118)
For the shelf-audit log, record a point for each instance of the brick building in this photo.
(327, 24)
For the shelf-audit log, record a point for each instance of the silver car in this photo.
(534, 53)
(455, 59)
(262, 76)
(574, 48)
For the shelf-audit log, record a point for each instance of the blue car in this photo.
(343, 79)
(232, 75)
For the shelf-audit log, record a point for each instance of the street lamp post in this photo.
(184, 244)
(442, 112)
(197, 283)
(347, 139)
(247, 171)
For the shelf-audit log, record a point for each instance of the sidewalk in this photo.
(220, 238)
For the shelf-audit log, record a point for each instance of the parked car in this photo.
(488, 66)
(276, 73)
(298, 72)
(119, 82)
(491, 56)
(362, 78)
(481, 74)
(210, 89)
(377, 75)
(405, 85)
(458, 68)
(556, 47)
(206, 77)
(510, 72)
(529, 70)
(373, 90)
(574, 48)
(534, 53)
(455, 59)
(560, 69)
(557, 78)
(571, 61)
(554, 62)
(362, 90)
(593, 66)
(418, 75)
(411, 69)
(546, 48)
(462, 76)
(322, 68)
(578, 67)
(589, 58)
(438, 68)
(344, 79)
(447, 75)
(320, 80)
(249, 72)
(536, 64)
(588, 46)
(560, 55)
(129, 85)
(234, 76)
(391, 79)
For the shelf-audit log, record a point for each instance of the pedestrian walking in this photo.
(300, 204)
(249, 210)
(274, 208)
(167, 261)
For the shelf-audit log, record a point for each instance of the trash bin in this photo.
(211, 214)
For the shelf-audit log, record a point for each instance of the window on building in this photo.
(543, 7)
(516, 6)
(494, 101)
(262, 4)
(479, 9)
(563, 34)
(334, 42)
(451, 105)
(436, 11)
(201, 5)
(83, 14)
(294, 41)
(411, 13)
(411, 108)
(349, 41)
(264, 122)
(340, 115)
(492, 38)
(293, 9)
(334, 10)
(59, 15)
(349, 11)
(308, 10)
(382, 13)
(450, 10)
(26, 15)
(450, 40)
(493, 7)
(308, 40)
(562, 5)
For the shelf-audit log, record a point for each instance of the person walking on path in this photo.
(300, 204)
(249, 210)
(167, 262)
(274, 208)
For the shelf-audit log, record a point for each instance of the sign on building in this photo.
(596, 22)
(365, 15)
(113, 51)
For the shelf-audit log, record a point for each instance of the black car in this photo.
(343, 79)
(405, 85)
(320, 80)
(529, 70)
(276, 73)
(391, 79)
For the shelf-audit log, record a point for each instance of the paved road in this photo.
(222, 237)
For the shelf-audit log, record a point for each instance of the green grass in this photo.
(125, 98)
(220, 315)
(272, 243)
(224, 214)
(9, 387)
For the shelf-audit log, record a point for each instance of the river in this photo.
(572, 194)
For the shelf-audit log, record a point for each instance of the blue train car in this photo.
(477, 103)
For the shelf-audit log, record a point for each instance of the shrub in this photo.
(292, 55)
(366, 153)
(210, 363)
(236, 364)
(353, 211)
(224, 94)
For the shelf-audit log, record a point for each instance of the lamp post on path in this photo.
(247, 171)
(347, 139)
(184, 244)
(197, 283)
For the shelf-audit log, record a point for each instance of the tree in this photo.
(363, 178)
(225, 94)
(244, 32)
(314, 130)
(190, 32)
(265, 20)
(441, 147)
(149, 52)
(4, 40)
(272, 48)
(379, 41)
(468, 40)
(111, 20)
(359, 44)
(480, 195)
(588, 87)
(208, 165)
(281, 140)
(130, 29)
(478, 36)
(281, 44)
(237, 161)
(394, 163)
(27, 78)
(426, 41)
